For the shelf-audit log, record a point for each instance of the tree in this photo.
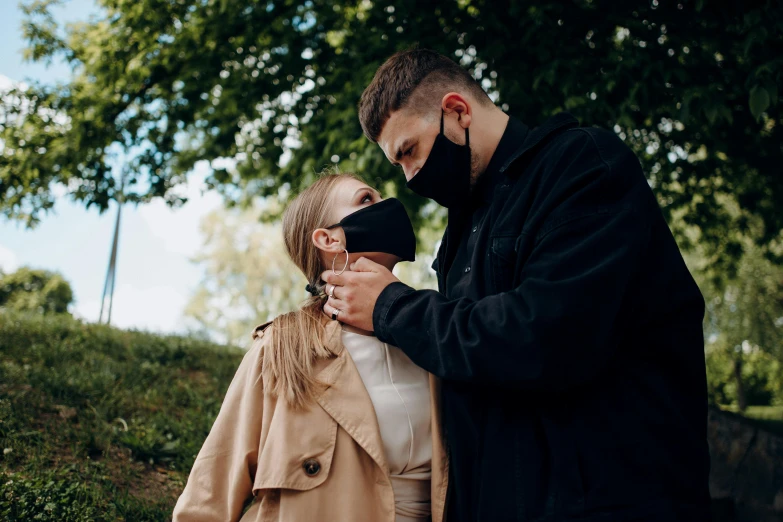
(760, 382)
(40, 291)
(744, 321)
(692, 87)
(248, 277)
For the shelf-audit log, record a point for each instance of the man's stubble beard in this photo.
(475, 165)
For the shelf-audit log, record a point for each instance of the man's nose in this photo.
(410, 171)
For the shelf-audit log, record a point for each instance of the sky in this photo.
(155, 275)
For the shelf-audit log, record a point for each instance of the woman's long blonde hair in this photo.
(297, 337)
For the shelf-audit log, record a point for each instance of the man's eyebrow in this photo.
(402, 148)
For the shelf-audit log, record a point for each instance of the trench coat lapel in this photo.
(346, 400)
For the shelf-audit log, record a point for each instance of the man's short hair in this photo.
(418, 78)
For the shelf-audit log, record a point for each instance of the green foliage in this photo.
(745, 309)
(75, 496)
(743, 325)
(98, 423)
(693, 90)
(35, 291)
(762, 377)
(36, 499)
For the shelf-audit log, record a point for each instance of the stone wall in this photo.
(746, 482)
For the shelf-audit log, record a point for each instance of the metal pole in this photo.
(111, 273)
(114, 261)
(106, 283)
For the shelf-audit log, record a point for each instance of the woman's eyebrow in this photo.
(367, 188)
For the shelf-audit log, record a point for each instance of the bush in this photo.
(40, 291)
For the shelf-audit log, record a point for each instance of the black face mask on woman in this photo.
(445, 176)
(382, 227)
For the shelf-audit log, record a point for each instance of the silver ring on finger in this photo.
(335, 314)
(331, 291)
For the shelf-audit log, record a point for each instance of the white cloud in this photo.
(156, 308)
(179, 228)
(9, 262)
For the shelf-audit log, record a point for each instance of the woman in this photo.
(323, 422)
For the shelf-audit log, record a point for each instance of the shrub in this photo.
(40, 291)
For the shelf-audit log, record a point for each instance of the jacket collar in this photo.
(517, 139)
(345, 397)
(515, 134)
(536, 137)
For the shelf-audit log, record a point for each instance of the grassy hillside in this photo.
(98, 423)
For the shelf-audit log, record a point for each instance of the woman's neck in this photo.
(353, 329)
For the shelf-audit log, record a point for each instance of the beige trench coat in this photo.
(322, 464)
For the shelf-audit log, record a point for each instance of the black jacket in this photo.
(568, 335)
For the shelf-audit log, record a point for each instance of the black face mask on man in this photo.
(382, 227)
(445, 176)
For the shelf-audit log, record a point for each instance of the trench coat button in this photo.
(474, 229)
(467, 270)
(311, 467)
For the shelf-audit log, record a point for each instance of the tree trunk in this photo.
(742, 400)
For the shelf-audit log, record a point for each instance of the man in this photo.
(567, 331)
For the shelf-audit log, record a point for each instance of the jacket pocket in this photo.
(503, 258)
(298, 450)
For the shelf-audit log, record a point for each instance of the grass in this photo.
(98, 423)
(769, 418)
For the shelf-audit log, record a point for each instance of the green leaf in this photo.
(772, 89)
(725, 113)
(711, 113)
(685, 111)
(759, 101)
(748, 43)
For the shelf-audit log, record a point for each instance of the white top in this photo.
(400, 393)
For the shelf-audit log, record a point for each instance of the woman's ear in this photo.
(329, 240)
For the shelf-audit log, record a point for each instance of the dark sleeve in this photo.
(559, 327)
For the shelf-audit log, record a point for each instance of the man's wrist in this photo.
(383, 309)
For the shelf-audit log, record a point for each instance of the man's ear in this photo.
(329, 240)
(454, 102)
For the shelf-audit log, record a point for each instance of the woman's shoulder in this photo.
(260, 331)
(263, 335)
(261, 338)
(262, 342)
